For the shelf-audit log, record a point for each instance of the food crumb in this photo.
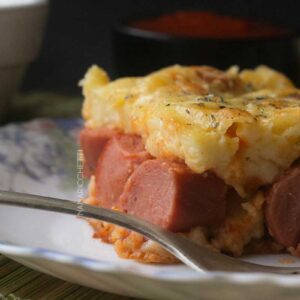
(286, 260)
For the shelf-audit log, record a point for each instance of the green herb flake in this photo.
(260, 98)
(222, 100)
(208, 97)
(249, 87)
(214, 123)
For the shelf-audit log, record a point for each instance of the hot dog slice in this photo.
(92, 142)
(120, 157)
(282, 208)
(170, 195)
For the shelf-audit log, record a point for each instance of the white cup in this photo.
(21, 31)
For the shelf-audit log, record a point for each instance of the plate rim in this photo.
(111, 267)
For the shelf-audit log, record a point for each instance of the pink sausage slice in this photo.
(282, 208)
(170, 195)
(120, 157)
(92, 142)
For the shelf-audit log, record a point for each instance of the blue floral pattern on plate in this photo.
(35, 153)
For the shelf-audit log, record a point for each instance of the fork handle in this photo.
(198, 257)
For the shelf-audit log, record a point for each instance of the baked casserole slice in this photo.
(206, 153)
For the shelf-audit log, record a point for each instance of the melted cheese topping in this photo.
(243, 125)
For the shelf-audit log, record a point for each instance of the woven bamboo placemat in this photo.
(19, 283)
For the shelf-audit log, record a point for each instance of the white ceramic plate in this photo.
(41, 157)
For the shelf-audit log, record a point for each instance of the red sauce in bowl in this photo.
(203, 24)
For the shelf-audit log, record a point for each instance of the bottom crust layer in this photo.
(242, 232)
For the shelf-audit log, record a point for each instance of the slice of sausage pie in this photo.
(209, 154)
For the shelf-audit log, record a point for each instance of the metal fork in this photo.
(195, 256)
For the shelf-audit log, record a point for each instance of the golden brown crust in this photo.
(193, 114)
(131, 245)
(244, 223)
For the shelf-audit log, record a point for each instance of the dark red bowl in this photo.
(138, 52)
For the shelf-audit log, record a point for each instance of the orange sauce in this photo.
(206, 24)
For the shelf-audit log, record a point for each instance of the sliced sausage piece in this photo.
(282, 208)
(92, 142)
(170, 195)
(120, 157)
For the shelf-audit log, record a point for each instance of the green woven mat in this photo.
(25, 107)
(18, 282)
